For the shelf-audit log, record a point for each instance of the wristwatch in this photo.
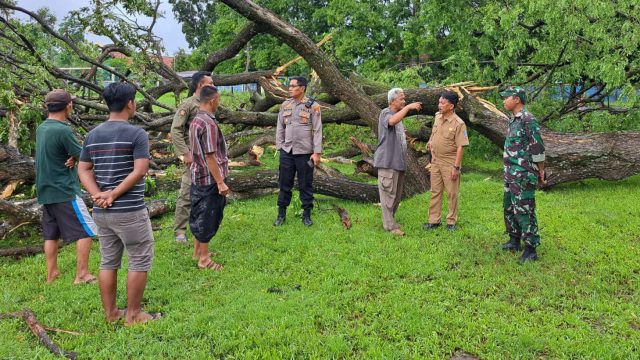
(456, 167)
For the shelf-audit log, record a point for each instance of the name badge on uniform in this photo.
(304, 117)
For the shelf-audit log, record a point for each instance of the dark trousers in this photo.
(290, 165)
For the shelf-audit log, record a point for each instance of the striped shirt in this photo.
(205, 137)
(112, 147)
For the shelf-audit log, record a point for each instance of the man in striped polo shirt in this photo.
(113, 163)
(208, 172)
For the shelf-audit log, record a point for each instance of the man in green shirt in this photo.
(64, 214)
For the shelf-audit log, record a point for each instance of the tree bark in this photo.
(15, 166)
(242, 39)
(322, 184)
(569, 156)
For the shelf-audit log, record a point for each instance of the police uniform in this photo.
(447, 135)
(523, 148)
(298, 136)
(186, 112)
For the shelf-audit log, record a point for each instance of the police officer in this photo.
(180, 138)
(299, 140)
(523, 169)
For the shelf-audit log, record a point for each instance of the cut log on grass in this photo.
(22, 251)
(39, 331)
(322, 184)
(344, 216)
(21, 213)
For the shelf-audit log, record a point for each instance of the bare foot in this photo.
(53, 276)
(86, 279)
(117, 315)
(141, 318)
(397, 232)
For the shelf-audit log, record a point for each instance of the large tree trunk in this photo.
(322, 184)
(15, 166)
(333, 81)
(570, 156)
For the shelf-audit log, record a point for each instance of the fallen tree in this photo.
(20, 213)
(571, 157)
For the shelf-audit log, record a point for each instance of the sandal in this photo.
(211, 265)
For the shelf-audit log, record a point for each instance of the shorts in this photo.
(69, 220)
(125, 230)
(207, 211)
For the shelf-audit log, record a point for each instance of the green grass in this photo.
(363, 293)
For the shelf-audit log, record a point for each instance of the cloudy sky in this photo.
(166, 28)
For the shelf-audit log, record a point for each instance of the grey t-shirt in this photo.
(392, 144)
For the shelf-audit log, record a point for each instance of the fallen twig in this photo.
(344, 216)
(40, 332)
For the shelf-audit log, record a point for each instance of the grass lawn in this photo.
(327, 292)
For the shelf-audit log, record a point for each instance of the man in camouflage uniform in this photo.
(299, 140)
(523, 169)
(180, 138)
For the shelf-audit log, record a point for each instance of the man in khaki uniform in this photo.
(447, 142)
(180, 138)
(299, 140)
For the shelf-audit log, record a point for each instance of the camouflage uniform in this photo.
(523, 148)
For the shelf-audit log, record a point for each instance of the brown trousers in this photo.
(183, 204)
(440, 181)
(390, 185)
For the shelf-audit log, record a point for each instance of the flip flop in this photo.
(92, 280)
(154, 316)
(211, 265)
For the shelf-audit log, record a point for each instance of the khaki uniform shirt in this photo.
(446, 136)
(180, 126)
(299, 128)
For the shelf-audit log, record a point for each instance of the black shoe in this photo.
(306, 217)
(529, 254)
(451, 227)
(512, 245)
(430, 226)
(282, 216)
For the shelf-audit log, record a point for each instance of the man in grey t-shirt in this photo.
(390, 156)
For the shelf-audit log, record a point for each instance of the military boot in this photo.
(306, 217)
(282, 216)
(512, 245)
(529, 254)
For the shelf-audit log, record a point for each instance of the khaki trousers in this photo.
(390, 185)
(183, 204)
(441, 181)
